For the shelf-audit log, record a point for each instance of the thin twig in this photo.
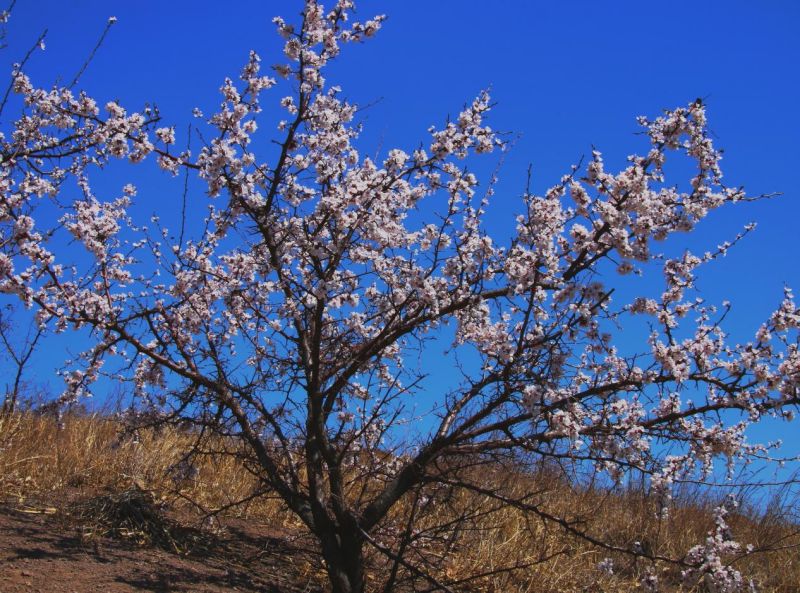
(185, 190)
(18, 69)
(88, 61)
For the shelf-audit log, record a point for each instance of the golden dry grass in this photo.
(91, 454)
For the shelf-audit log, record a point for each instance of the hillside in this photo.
(93, 507)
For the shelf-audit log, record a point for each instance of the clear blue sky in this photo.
(565, 76)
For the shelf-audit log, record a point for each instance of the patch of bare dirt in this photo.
(41, 550)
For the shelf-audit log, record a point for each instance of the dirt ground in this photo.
(41, 552)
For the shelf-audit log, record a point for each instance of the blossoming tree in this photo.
(291, 321)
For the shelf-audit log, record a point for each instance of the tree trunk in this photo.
(344, 561)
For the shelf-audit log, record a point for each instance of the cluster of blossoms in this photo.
(710, 563)
(707, 559)
(295, 311)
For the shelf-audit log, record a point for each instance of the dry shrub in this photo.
(133, 514)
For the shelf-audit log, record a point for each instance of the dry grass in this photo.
(91, 458)
(93, 453)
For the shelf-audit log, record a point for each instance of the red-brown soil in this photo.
(40, 551)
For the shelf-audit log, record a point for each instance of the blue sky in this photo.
(565, 76)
